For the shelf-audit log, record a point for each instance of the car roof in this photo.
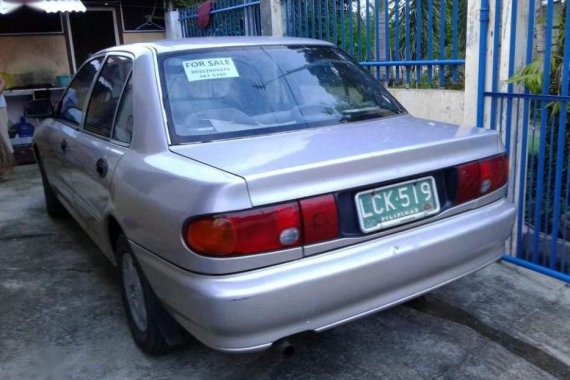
(181, 44)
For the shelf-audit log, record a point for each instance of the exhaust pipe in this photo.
(286, 348)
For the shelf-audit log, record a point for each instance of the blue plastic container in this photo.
(63, 80)
(23, 128)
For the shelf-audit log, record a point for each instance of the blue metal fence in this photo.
(531, 112)
(413, 43)
(227, 18)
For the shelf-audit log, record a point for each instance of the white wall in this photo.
(440, 105)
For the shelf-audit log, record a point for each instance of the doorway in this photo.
(90, 32)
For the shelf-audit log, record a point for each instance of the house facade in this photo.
(36, 46)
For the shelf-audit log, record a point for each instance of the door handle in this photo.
(101, 167)
(63, 145)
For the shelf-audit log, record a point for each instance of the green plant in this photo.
(531, 75)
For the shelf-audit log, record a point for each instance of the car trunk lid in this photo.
(298, 164)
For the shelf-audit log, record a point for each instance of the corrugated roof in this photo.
(6, 7)
(50, 6)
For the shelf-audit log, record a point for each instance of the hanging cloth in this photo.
(204, 10)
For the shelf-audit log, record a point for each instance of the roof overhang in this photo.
(50, 6)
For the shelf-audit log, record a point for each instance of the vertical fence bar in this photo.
(290, 30)
(442, 19)
(514, 161)
(306, 9)
(418, 40)
(387, 38)
(230, 18)
(227, 23)
(182, 21)
(543, 124)
(408, 49)
(531, 169)
(320, 16)
(368, 31)
(299, 11)
(482, 73)
(430, 39)
(342, 25)
(358, 31)
(495, 68)
(511, 69)
(501, 103)
(313, 26)
(566, 207)
(335, 26)
(377, 35)
(327, 18)
(561, 145)
(292, 9)
(350, 31)
(524, 137)
(258, 20)
(548, 182)
(455, 39)
(397, 38)
(295, 18)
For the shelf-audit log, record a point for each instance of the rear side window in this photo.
(123, 129)
(73, 103)
(106, 95)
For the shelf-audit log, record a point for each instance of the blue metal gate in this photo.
(411, 43)
(227, 18)
(531, 112)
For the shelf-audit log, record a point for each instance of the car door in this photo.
(57, 154)
(103, 139)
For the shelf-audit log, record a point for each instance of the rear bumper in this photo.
(251, 310)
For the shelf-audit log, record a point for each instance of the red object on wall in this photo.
(204, 10)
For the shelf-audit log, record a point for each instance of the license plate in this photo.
(396, 204)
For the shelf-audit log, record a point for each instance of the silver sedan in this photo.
(249, 189)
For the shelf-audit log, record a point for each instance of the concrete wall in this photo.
(32, 59)
(440, 105)
(272, 17)
(129, 38)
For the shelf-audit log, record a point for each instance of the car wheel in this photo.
(152, 328)
(54, 207)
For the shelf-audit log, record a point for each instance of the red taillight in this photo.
(265, 229)
(478, 178)
(494, 173)
(468, 182)
(320, 219)
(246, 232)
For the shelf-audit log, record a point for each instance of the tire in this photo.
(152, 328)
(54, 207)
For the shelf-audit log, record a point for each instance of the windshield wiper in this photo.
(356, 114)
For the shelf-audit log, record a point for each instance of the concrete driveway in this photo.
(61, 317)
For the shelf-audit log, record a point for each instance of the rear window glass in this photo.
(226, 93)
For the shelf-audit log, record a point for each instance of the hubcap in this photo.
(134, 291)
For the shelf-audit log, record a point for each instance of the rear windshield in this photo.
(235, 92)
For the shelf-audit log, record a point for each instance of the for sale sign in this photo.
(210, 68)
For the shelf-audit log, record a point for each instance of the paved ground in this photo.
(61, 316)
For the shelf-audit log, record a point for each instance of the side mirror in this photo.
(38, 109)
